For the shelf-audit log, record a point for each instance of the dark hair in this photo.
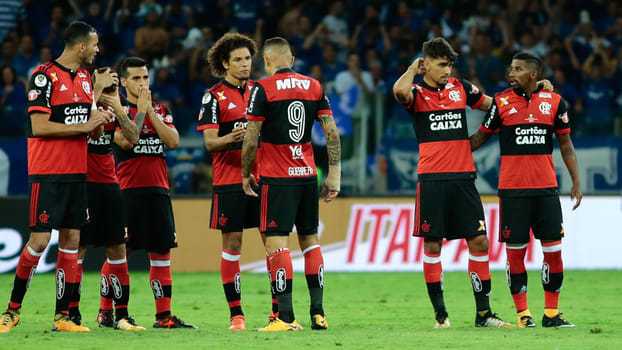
(276, 41)
(529, 58)
(221, 51)
(130, 62)
(439, 48)
(12, 71)
(77, 32)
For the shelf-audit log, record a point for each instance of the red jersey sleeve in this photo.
(410, 107)
(324, 106)
(474, 96)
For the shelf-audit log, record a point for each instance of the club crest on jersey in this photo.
(40, 80)
(545, 108)
(221, 95)
(86, 87)
(454, 95)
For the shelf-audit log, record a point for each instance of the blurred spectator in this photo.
(337, 26)
(45, 55)
(12, 16)
(164, 90)
(354, 78)
(52, 34)
(330, 66)
(26, 57)
(12, 100)
(596, 96)
(125, 24)
(151, 40)
(488, 68)
(94, 15)
(8, 51)
(177, 20)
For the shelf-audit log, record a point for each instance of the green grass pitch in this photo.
(364, 311)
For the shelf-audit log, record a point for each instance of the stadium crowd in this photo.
(362, 43)
(355, 46)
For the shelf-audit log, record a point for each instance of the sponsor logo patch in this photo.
(40, 80)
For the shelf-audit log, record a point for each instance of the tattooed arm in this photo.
(332, 185)
(570, 159)
(249, 152)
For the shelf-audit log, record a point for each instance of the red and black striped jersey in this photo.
(439, 119)
(67, 96)
(287, 103)
(223, 108)
(144, 164)
(526, 125)
(100, 161)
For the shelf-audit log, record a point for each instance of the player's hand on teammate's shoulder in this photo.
(546, 85)
(247, 185)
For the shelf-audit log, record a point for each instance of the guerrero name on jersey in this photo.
(287, 103)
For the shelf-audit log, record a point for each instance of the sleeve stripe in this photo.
(325, 111)
(33, 109)
(479, 103)
(562, 131)
(255, 118)
(486, 130)
(208, 126)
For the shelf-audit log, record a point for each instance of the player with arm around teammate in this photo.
(60, 100)
(526, 118)
(448, 204)
(223, 123)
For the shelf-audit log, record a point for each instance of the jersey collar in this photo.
(524, 95)
(430, 87)
(284, 70)
(240, 88)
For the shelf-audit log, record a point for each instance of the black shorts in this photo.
(448, 209)
(283, 206)
(150, 221)
(107, 222)
(233, 211)
(56, 205)
(543, 215)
